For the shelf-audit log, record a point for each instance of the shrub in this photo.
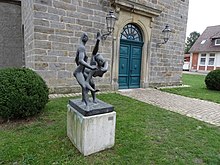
(23, 93)
(212, 80)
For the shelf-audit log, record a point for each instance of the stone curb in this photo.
(53, 96)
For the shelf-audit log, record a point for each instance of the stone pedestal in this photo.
(91, 130)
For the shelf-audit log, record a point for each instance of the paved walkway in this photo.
(202, 110)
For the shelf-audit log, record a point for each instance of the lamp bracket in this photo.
(105, 35)
(160, 44)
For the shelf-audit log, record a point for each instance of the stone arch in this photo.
(144, 24)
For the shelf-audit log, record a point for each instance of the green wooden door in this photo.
(130, 65)
(130, 57)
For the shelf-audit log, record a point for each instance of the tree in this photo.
(191, 40)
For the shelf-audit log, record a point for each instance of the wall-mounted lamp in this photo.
(166, 33)
(110, 21)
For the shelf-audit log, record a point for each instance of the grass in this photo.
(145, 134)
(197, 89)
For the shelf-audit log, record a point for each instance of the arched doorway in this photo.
(131, 43)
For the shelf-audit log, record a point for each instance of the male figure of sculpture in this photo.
(84, 71)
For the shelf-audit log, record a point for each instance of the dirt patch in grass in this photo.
(9, 124)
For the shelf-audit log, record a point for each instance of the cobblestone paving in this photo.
(199, 109)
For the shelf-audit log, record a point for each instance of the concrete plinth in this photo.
(91, 134)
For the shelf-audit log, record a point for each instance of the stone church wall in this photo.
(167, 61)
(53, 29)
(10, 35)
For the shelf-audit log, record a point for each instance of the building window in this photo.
(217, 42)
(203, 41)
(211, 59)
(131, 32)
(202, 59)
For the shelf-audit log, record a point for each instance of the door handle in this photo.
(135, 67)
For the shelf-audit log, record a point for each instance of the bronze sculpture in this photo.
(85, 72)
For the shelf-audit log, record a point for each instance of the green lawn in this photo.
(145, 135)
(197, 89)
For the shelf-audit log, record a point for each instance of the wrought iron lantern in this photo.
(110, 21)
(166, 33)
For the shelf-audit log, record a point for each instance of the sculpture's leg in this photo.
(96, 48)
(88, 82)
(82, 82)
(85, 96)
(93, 93)
(88, 86)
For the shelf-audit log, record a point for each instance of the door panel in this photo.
(124, 65)
(135, 65)
(130, 65)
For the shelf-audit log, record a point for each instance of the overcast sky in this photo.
(202, 13)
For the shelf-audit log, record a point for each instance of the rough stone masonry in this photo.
(52, 30)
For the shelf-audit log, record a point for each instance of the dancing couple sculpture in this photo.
(85, 71)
